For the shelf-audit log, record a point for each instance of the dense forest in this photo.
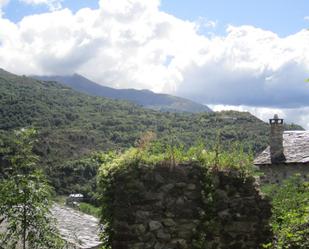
(73, 126)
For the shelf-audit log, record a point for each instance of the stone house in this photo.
(286, 155)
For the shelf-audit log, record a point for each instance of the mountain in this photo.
(72, 126)
(145, 98)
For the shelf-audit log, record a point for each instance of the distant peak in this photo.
(2, 71)
(146, 91)
(77, 75)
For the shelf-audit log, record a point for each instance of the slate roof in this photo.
(78, 229)
(295, 146)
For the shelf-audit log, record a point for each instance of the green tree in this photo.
(25, 199)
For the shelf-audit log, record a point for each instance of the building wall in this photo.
(276, 173)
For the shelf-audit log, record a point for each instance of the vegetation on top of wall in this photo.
(151, 154)
(290, 219)
(149, 151)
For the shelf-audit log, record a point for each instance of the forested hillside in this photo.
(72, 125)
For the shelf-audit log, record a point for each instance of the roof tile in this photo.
(295, 145)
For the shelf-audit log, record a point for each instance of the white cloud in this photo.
(52, 4)
(250, 66)
(2, 4)
(290, 115)
(131, 43)
(306, 18)
(203, 22)
(124, 43)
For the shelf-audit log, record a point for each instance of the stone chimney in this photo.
(276, 139)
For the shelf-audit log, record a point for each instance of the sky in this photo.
(242, 55)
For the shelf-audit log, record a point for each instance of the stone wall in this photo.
(241, 214)
(276, 173)
(183, 207)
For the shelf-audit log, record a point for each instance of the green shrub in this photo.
(290, 220)
(89, 209)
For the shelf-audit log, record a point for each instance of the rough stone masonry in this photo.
(166, 208)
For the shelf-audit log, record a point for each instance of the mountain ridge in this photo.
(145, 97)
(61, 111)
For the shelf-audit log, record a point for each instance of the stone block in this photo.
(167, 187)
(163, 235)
(154, 225)
(191, 186)
(168, 222)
